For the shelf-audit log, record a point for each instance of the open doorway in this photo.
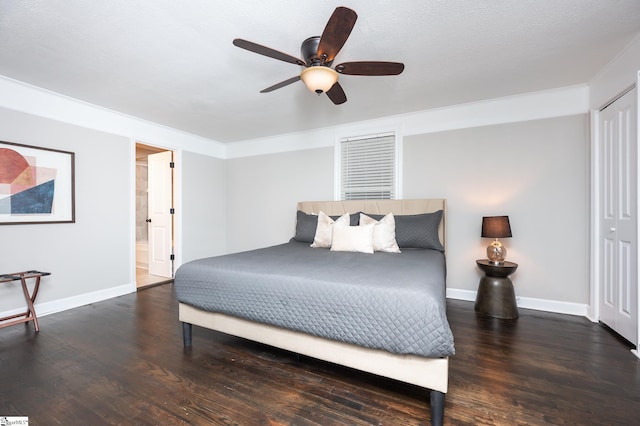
(154, 215)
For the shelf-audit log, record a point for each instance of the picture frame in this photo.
(37, 185)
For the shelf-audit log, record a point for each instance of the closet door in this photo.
(618, 236)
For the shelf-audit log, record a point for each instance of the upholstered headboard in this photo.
(397, 207)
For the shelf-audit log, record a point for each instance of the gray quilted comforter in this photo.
(389, 301)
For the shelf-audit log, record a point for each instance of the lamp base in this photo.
(496, 252)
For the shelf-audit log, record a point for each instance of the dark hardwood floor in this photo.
(121, 362)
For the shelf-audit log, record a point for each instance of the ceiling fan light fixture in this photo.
(319, 79)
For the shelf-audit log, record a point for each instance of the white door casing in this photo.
(618, 221)
(160, 219)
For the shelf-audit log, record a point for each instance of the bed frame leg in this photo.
(186, 334)
(437, 408)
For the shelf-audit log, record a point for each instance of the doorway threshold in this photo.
(145, 280)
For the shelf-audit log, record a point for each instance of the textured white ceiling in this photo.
(172, 62)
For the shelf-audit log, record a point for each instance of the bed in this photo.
(383, 313)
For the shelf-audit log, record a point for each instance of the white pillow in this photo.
(384, 232)
(324, 230)
(352, 238)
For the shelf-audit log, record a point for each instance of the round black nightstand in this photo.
(496, 297)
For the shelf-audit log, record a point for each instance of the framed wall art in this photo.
(37, 185)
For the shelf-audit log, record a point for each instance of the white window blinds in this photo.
(368, 167)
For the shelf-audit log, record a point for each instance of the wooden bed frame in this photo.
(429, 373)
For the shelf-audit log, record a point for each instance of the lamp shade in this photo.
(496, 227)
(319, 78)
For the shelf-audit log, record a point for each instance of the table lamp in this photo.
(496, 227)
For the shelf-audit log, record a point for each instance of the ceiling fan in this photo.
(319, 53)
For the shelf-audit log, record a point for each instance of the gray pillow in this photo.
(354, 219)
(417, 230)
(306, 225)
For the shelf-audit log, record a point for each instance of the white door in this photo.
(619, 216)
(160, 218)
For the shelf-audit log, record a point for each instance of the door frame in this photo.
(177, 205)
(594, 270)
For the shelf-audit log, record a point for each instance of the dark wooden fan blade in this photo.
(336, 32)
(281, 84)
(266, 51)
(370, 68)
(336, 94)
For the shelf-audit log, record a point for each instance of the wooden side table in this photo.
(496, 297)
(30, 314)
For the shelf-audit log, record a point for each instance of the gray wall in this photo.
(249, 202)
(536, 172)
(203, 206)
(262, 193)
(92, 254)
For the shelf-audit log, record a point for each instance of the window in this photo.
(367, 167)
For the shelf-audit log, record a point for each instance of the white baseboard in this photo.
(46, 308)
(568, 308)
(60, 305)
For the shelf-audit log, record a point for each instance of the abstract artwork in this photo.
(36, 185)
